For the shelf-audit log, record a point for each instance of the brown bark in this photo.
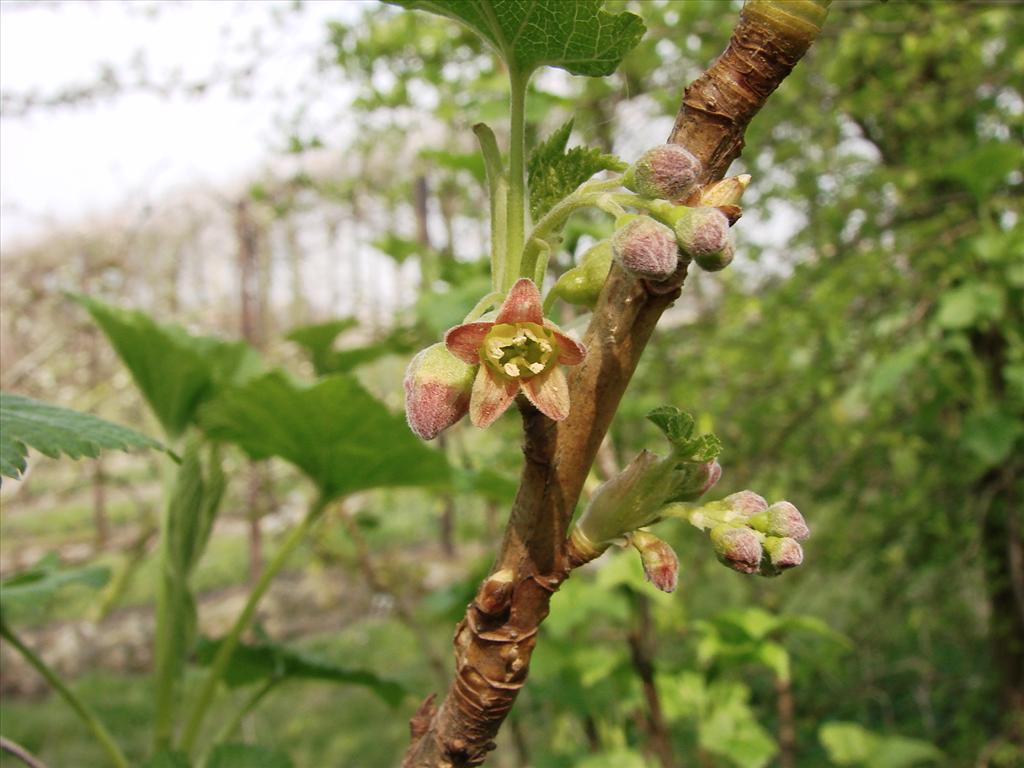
(787, 723)
(493, 647)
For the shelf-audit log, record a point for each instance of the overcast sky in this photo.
(67, 163)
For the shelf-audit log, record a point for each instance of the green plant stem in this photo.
(248, 706)
(497, 187)
(488, 301)
(85, 714)
(227, 648)
(586, 195)
(516, 226)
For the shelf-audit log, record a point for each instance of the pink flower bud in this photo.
(746, 503)
(712, 473)
(667, 172)
(737, 547)
(716, 262)
(781, 519)
(702, 233)
(437, 391)
(645, 247)
(783, 553)
(661, 565)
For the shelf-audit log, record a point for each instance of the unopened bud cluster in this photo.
(751, 536)
(652, 247)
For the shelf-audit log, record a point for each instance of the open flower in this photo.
(519, 349)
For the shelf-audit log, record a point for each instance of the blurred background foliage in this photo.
(864, 358)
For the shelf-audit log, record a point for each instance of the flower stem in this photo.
(230, 643)
(85, 714)
(516, 212)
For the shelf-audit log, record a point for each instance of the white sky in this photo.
(65, 163)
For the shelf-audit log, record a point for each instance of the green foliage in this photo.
(852, 744)
(175, 371)
(247, 756)
(678, 429)
(554, 172)
(334, 431)
(167, 759)
(266, 661)
(37, 585)
(579, 37)
(54, 431)
(319, 341)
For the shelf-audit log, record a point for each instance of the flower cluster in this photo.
(484, 364)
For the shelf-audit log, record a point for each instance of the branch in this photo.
(494, 641)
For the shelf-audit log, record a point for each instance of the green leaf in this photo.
(554, 173)
(39, 583)
(577, 36)
(847, 743)
(247, 756)
(167, 760)
(901, 752)
(729, 728)
(53, 431)
(398, 248)
(991, 435)
(970, 305)
(175, 371)
(334, 431)
(318, 341)
(678, 428)
(264, 661)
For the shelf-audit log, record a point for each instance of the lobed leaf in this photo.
(342, 438)
(577, 36)
(54, 431)
(175, 370)
(258, 662)
(555, 173)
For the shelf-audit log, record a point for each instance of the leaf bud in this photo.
(724, 195)
(645, 247)
(738, 547)
(661, 564)
(582, 284)
(666, 172)
(781, 519)
(495, 593)
(781, 553)
(437, 390)
(746, 503)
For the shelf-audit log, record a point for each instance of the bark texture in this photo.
(495, 639)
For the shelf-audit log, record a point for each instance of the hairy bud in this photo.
(781, 519)
(667, 172)
(781, 553)
(645, 247)
(701, 232)
(716, 262)
(746, 503)
(437, 391)
(738, 547)
(661, 564)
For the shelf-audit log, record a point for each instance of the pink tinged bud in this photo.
(646, 248)
(746, 503)
(702, 233)
(782, 553)
(737, 547)
(661, 565)
(495, 593)
(782, 519)
(716, 262)
(712, 474)
(667, 172)
(437, 391)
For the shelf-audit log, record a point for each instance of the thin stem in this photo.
(248, 706)
(13, 748)
(497, 187)
(85, 714)
(516, 180)
(488, 301)
(230, 643)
